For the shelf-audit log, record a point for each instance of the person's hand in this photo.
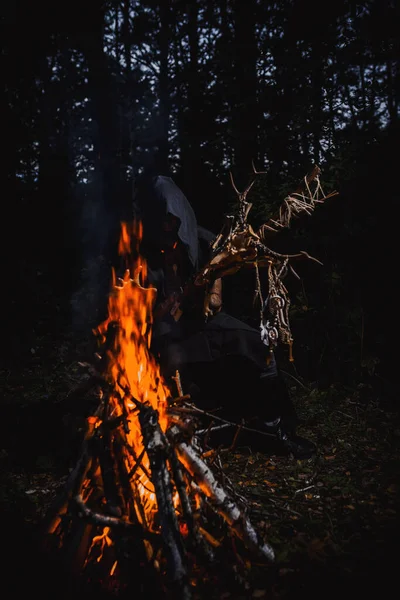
(175, 310)
(170, 305)
(213, 300)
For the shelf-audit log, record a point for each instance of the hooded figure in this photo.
(219, 356)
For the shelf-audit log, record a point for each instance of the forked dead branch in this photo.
(238, 246)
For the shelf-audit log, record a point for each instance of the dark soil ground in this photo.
(333, 520)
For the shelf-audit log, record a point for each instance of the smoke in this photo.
(95, 228)
(98, 230)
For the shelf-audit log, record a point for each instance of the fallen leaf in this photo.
(270, 483)
(350, 506)
(259, 593)
(331, 457)
(316, 549)
(285, 571)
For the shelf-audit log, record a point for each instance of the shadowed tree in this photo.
(246, 114)
(103, 106)
(164, 88)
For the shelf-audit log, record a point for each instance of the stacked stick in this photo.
(162, 514)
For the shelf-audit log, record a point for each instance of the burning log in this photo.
(144, 497)
(157, 448)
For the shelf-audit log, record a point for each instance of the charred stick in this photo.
(125, 415)
(178, 383)
(235, 438)
(108, 473)
(127, 392)
(105, 403)
(186, 426)
(182, 410)
(214, 428)
(97, 518)
(156, 445)
(130, 492)
(208, 431)
(181, 398)
(193, 528)
(74, 482)
(78, 475)
(112, 424)
(139, 506)
(228, 423)
(123, 477)
(137, 464)
(131, 451)
(210, 538)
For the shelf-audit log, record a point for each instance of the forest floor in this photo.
(332, 520)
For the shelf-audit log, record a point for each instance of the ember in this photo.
(145, 503)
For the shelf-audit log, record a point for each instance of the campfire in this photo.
(148, 502)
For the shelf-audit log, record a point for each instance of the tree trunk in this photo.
(126, 35)
(246, 112)
(106, 139)
(193, 180)
(317, 53)
(392, 99)
(163, 146)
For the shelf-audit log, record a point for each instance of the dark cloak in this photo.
(154, 199)
(190, 340)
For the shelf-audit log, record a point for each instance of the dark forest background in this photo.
(94, 92)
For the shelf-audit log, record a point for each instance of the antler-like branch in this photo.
(238, 245)
(244, 206)
(302, 201)
(241, 195)
(255, 170)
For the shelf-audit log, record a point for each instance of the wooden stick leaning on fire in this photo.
(238, 246)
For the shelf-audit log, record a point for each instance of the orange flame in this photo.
(132, 370)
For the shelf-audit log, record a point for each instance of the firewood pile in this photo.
(168, 507)
(148, 499)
